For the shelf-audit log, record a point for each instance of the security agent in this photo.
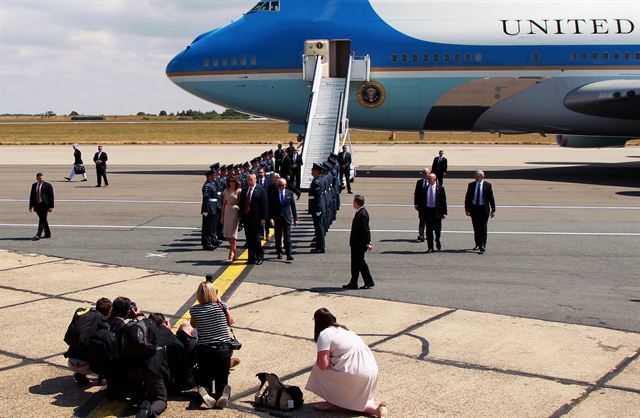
(316, 207)
(209, 211)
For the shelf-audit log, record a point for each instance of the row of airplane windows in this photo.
(446, 58)
(224, 62)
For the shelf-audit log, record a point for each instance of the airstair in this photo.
(327, 126)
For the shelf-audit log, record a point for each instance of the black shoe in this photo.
(97, 185)
(289, 258)
(102, 380)
(476, 248)
(350, 192)
(84, 179)
(482, 250)
(421, 239)
(67, 179)
(430, 250)
(47, 236)
(279, 257)
(143, 411)
(350, 286)
(367, 286)
(35, 238)
(438, 245)
(251, 261)
(259, 261)
(316, 251)
(81, 379)
(207, 248)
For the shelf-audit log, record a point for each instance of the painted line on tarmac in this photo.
(400, 231)
(225, 282)
(375, 205)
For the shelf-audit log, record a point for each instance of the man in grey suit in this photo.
(282, 214)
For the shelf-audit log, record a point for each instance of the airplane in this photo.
(570, 68)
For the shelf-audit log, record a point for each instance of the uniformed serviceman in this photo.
(316, 207)
(208, 210)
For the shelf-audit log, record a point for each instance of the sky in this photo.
(101, 57)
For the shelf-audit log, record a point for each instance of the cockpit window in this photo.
(266, 6)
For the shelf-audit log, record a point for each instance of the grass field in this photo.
(136, 131)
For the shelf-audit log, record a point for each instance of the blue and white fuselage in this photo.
(569, 67)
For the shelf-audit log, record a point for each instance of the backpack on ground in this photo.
(276, 394)
(85, 323)
(137, 341)
(103, 351)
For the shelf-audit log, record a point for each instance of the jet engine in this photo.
(579, 141)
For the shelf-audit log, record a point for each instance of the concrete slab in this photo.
(503, 342)
(13, 259)
(7, 361)
(608, 403)
(629, 377)
(165, 293)
(44, 391)
(37, 329)
(293, 314)
(68, 276)
(364, 154)
(10, 297)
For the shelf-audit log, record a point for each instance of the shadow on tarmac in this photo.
(622, 174)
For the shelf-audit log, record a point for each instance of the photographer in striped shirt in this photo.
(211, 318)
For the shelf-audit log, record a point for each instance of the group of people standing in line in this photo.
(259, 195)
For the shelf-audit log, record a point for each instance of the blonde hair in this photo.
(206, 293)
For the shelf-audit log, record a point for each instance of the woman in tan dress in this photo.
(231, 215)
(345, 374)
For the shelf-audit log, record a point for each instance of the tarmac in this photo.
(550, 326)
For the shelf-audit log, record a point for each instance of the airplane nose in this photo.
(183, 60)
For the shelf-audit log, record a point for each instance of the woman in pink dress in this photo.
(231, 215)
(345, 374)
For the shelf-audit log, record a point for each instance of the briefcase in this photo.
(78, 169)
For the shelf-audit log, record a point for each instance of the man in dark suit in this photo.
(344, 159)
(209, 211)
(41, 199)
(296, 168)
(360, 243)
(100, 158)
(266, 183)
(253, 213)
(420, 200)
(278, 155)
(435, 210)
(282, 213)
(439, 167)
(285, 167)
(480, 204)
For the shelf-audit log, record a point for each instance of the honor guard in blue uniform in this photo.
(316, 207)
(209, 211)
(245, 172)
(270, 165)
(335, 171)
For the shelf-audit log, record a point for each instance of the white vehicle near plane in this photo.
(570, 68)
